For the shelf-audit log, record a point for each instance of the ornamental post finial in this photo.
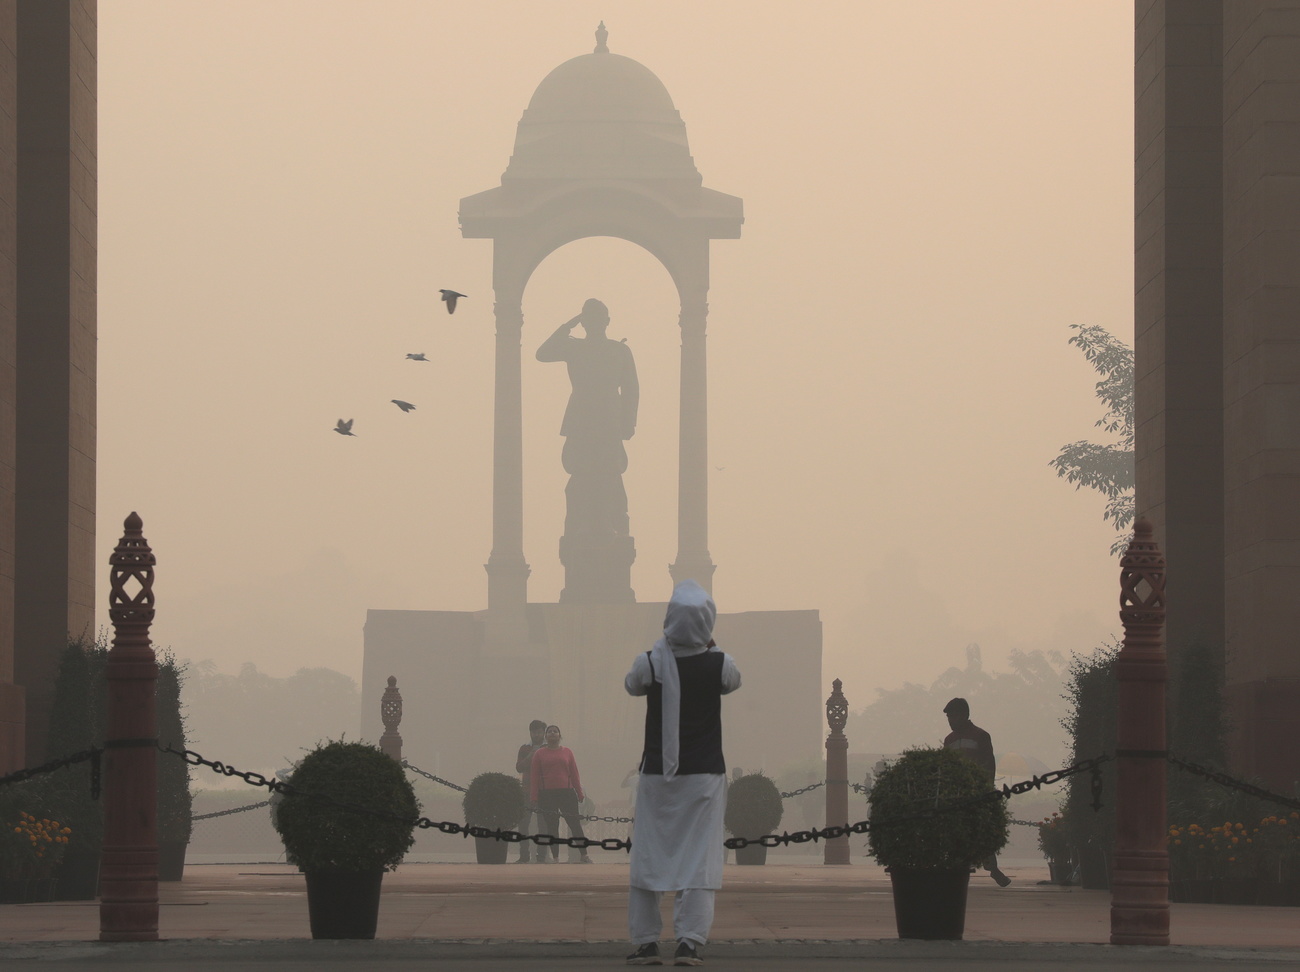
(601, 36)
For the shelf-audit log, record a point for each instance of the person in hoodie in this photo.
(682, 791)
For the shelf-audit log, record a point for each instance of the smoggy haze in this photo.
(933, 192)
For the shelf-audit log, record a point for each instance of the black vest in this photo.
(700, 743)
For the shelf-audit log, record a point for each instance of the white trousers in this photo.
(692, 915)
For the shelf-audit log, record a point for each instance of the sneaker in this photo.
(586, 860)
(647, 954)
(686, 954)
(997, 875)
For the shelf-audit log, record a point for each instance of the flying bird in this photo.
(450, 296)
(344, 428)
(416, 357)
(404, 406)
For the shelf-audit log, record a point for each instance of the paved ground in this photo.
(770, 918)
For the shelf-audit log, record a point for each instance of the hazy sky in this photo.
(934, 192)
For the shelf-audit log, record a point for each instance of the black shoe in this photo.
(647, 954)
(686, 954)
(997, 875)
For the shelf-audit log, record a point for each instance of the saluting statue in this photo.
(601, 415)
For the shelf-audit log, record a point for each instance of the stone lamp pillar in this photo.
(390, 711)
(837, 774)
(1139, 910)
(128, 904)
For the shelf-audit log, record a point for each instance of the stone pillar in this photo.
(54, 536)
(128, 873)
(1261, 387)
(507, 625)
(1139, 912)
(13, 734)
(693, 559)
(837, 774)
(390, 712)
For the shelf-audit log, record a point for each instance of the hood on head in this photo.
(691, 613)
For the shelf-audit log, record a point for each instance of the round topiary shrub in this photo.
(494, 800)
(922, 779)
(754, 807)
(321, 837)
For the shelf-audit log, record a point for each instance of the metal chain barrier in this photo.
(805, 789)
(226, 813)
(1232, 783)
(93, 755)
(424, 823)
(430, 776)
(1092, 766)
(457, 786)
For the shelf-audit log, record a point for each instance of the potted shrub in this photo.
(754, 809)
(495, 801)
(31, 843)
(929, 859)
(342, 853)
(1054, 842)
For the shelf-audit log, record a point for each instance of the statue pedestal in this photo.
(597, 570)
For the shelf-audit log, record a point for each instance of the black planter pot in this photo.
(930, 904)
(751, 854)
(491, 851)
(343, 904)
(171, 860)
(77, 878)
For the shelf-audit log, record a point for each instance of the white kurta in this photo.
(678, 834)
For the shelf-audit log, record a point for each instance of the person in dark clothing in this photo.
(977, 745)
(523, 766)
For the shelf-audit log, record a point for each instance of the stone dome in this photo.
(604, 87)
(601, 116)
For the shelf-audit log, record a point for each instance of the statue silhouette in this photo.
(601, 414)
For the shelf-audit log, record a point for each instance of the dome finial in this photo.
(601, 36)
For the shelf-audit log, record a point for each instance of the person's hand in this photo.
(572, 323)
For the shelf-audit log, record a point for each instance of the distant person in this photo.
(555, 789)
(523, 766)
(682, 792)
(976, 744)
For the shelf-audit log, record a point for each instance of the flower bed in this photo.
(1236, 863)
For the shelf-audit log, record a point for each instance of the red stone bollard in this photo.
(128, 881)
(390, 711)
(1139, 909)
(837, 775)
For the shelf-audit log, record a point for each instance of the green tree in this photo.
(1107, 468)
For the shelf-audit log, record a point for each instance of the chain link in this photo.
(457, 786)
(424, 823)
(1232, 783)
(430, 776)
(93, 755)
(802, 790)
(226, 813)
(1006, 792)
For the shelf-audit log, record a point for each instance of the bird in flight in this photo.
(450, 296)
(344, 428)
(404, 406)
(416, 357)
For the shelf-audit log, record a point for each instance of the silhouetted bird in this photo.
(417, 357)
(404, 406)
(344, 428)
(450, 297)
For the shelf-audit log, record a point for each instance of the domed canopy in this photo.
(602, 116)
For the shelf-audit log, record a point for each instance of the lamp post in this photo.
(128, 904)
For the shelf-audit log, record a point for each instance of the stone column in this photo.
(837, 774)
(390, 713)
(128, 871)
(693, 560)
(507, 626)
(1139, 911)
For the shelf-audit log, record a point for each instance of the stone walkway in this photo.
(567, 916)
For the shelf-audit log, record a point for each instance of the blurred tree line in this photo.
(256, 721)
(1021, 709)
